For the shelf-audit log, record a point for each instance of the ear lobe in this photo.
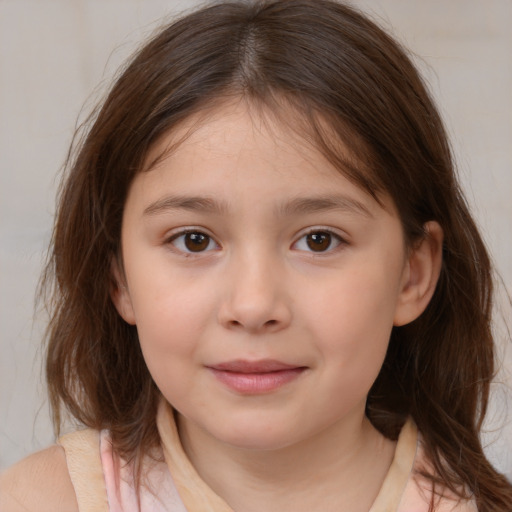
(120, 295)
(421, 275)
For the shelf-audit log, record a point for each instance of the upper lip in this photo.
(260, 366)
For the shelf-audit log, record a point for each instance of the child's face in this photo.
(264, 284)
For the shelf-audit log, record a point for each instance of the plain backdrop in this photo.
(56, 61)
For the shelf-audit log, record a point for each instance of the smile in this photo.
(255, 377)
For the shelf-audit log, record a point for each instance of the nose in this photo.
(255, 298)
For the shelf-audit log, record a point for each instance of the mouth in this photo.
(255, 377)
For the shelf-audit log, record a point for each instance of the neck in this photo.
(345, 463)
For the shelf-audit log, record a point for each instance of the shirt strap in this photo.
(85, 470)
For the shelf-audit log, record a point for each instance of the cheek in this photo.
(171, 320)
(170, 305)
(353, 320)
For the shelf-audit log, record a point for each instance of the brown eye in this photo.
(196, 242)
(193, 241)
(319, 241)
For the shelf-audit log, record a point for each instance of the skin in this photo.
(40, 482)
(254, 286)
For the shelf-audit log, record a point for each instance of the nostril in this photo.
(267, 324)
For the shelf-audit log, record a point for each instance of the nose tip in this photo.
(255, 302)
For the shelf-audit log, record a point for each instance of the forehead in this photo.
(238, 141)
(215, 127)
(276, 119)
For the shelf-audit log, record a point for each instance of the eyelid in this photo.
(335, 233)
(179, 232)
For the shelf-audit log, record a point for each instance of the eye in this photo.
(193, 242)
(318, 241)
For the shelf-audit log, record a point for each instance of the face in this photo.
(264, 285)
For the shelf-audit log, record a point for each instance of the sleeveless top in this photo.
(104, 483)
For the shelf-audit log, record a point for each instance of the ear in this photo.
(120, 294)
(420, 275)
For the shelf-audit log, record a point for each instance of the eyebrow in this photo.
(324, 203)
(300, 205)
(191, 203)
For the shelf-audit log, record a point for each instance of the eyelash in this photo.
(182, 234)
(334, 238)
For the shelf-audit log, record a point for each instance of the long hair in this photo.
(347, 80)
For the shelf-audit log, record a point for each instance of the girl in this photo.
(267, 290)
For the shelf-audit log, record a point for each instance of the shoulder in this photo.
(41, 483)
(419, 491)
(418, 495)
(419, 499)
(455, 505)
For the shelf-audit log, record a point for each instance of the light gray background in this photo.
(57, 55)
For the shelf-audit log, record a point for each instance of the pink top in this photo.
(103, 482)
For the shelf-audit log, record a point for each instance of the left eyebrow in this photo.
(324, 203)
(190, 203)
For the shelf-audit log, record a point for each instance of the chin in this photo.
(259, 443)
(256, 436)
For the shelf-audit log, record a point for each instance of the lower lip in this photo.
(256, 383)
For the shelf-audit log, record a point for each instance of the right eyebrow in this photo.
(190, 203)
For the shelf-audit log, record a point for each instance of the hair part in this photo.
(350, 86)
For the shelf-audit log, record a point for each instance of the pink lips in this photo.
(255, 377)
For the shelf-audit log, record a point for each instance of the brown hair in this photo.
(332, 65)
